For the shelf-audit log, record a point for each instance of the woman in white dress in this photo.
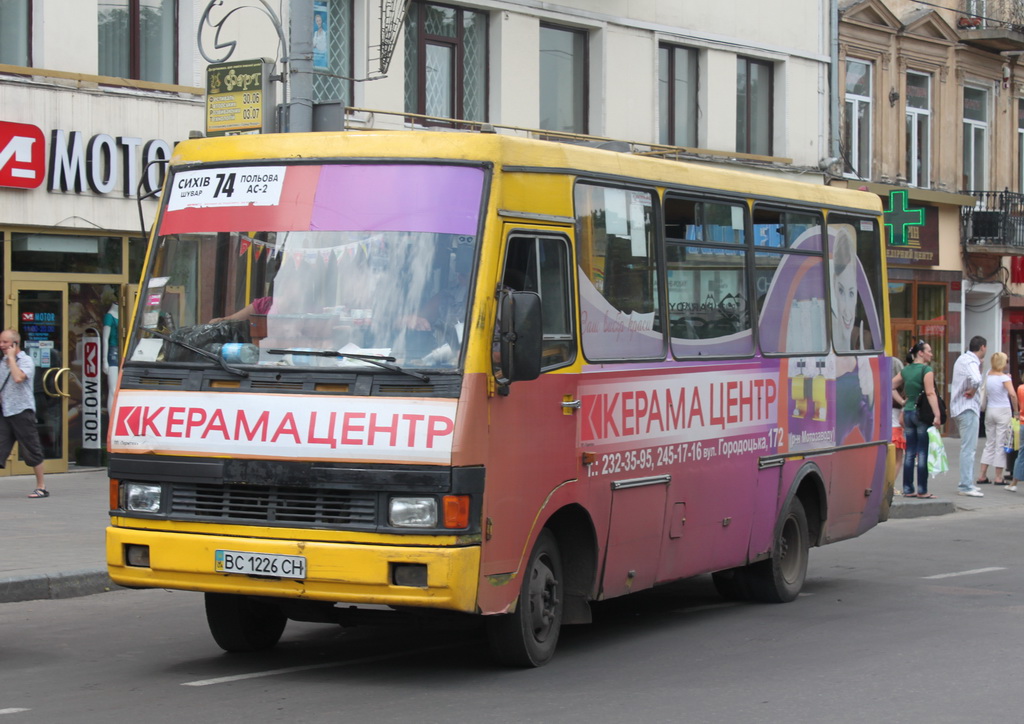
(1000, 408)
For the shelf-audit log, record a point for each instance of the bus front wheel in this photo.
(528, 637)
(242, 624)
(780, 578)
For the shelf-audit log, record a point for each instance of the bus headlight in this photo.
(413, 512)
(142, 497)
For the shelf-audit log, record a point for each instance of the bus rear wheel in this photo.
(242, 624)
(528, 637)
(780, 578)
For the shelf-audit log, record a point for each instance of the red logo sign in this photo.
(92, 359)
(28, 316)
(22, 155)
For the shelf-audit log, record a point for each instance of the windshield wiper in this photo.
(197, 350)
(380, 360)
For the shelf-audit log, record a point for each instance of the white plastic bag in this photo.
(937, 462)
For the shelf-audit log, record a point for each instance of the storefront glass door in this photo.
(40, 313)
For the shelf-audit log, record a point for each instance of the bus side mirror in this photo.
(520, 337)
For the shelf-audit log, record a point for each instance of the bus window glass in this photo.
(385, 269)
(856, 268)
(789, 283)
(618, 274)
(710, 221)
(541, 264)
(787, 229)
(708, 292)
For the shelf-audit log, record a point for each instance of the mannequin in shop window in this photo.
(109, 340)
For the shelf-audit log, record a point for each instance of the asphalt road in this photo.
(918, 621)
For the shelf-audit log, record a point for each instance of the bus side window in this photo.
(790, 281)
(855, 268)
(541, 264)
(706, 269)
(618, 273)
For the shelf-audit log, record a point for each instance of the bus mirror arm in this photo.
(520, 337)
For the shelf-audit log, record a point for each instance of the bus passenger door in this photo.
(532, 463)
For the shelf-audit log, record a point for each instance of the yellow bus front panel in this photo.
(338, 572)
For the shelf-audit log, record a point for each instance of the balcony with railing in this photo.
(995, 224)
(992, 25)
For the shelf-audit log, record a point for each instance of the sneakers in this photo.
(972, 493)
(1012, 488)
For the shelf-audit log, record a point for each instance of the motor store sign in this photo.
(104, 164)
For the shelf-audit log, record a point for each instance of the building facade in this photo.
(84, 125)
(932, 109)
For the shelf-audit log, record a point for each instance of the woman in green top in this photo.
(915, 377)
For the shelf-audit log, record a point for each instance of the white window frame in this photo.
(672, 102)
(915, 116)
(853, 104)
(973, 143)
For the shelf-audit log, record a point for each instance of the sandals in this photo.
(39, 493)
(926, 496)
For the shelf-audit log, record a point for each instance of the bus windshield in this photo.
(313, 266)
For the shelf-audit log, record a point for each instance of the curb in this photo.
(920, 509)
(58, 585)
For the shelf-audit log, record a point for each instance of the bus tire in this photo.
(527, 637)
(243, 624)
(780, 578)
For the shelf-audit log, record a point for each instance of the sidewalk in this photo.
(944, 487)
(54, 548)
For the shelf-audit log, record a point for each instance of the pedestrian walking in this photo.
(1000, 404)
(915, 378)
(18, 407)
(965, 407)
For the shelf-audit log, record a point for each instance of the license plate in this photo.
(260, 564)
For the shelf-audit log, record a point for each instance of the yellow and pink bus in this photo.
(491, 375)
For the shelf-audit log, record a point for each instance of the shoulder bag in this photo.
(924, 410)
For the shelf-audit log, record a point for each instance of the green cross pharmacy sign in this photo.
(898, 216)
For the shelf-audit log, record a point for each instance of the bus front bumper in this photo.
(335, 572)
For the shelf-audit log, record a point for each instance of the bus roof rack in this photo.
(366, 119)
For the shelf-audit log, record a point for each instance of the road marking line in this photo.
(13, 711)
(309, 667)
(963, 573)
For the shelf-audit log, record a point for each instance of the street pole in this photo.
(299, 114)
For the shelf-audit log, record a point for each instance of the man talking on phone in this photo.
(18, 408)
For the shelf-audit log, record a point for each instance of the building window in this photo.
(977, 9)
(677, 95)
(857, 120)
(563, 79)
(15, 16)
(446, 62)
(138, 39)
(919, 129)
(332, 51)
(975, 139)
(919, 311)
(754, 106)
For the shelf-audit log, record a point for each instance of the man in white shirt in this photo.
(965, 408)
